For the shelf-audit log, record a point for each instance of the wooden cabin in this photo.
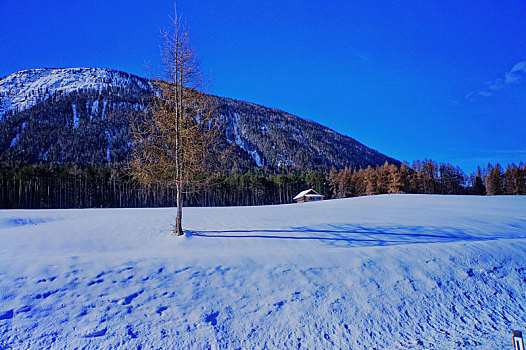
(308, 196)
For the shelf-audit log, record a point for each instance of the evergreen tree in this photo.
(494, 180)
(478, 186)
(510, 184)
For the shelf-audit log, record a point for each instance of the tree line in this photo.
(428, 177)
(69, 185)
(44, 185)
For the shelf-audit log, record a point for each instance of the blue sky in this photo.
(413, 79)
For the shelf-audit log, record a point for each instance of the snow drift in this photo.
(389, 272)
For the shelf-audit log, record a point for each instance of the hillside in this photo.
(384, 272)
(83, 115)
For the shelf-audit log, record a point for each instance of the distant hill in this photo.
(83, 115)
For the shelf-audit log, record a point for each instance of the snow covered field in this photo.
(385, 272)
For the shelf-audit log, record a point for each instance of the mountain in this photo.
(83, 115)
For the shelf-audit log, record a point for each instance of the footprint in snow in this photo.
(83, 313)
(45, 294)
(161, 309)
(25, 308)
(97, 281)
(212, 318)
(279, 304)
(98, 333)
(127, 300)
(50, 279)
(6, 315)
(130, 331)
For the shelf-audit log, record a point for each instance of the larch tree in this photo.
(494, 183)
(395, 180)
(174, 138)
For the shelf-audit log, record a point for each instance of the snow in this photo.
(393, 271)
(254, 155)
(284, 162)
(14, 141)
(235, 126)
(303, 193)
(242, 144)
(94, 110)
(75, 116)
(24, 89)
(108, 147)
(104, 108)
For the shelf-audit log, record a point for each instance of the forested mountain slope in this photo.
(83, 115)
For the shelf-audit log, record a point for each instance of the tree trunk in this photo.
(179, 218)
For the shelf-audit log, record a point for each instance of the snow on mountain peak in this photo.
(24, 89)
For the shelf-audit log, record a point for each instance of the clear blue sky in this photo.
(413, 79)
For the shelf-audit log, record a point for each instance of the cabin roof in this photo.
(310, 191)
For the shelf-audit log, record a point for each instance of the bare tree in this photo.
(174, 137)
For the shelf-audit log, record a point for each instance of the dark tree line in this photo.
(48, 185)
(70, 186)
(499, 181)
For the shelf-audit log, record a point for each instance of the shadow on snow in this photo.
(347, 235)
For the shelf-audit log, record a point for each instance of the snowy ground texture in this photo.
(384, 272)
